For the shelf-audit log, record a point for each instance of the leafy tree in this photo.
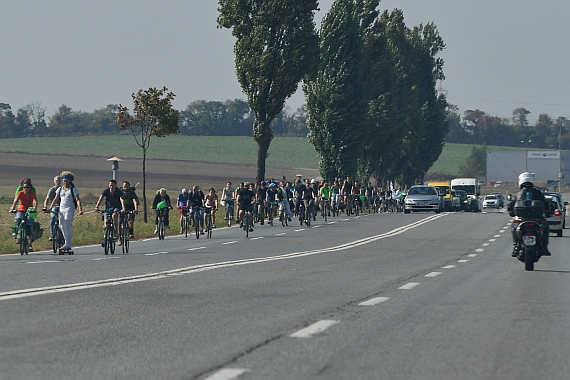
(274, 50)
(153, 115)
(334, 97)
(476, 164)
(8, 128)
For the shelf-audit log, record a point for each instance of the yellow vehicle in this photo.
(445, 191)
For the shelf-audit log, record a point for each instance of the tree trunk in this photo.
(262, 148)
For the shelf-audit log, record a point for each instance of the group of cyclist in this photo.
(256, 199)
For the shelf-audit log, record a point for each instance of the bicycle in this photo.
(161, 226)
(335, 205)
(246, 223)
(124, 230)
(22, 234)
(326, 208)
(283, 217)
(196, 220)
(57, 239)
(186, 222)
(109, 240)
(230, 212)
(349, 204)
(272, 211)
(208, 224)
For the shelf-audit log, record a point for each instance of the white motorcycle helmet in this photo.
(526, 178)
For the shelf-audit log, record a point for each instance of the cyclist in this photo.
(271, 197)
(325, 195)
(23, 182)
(112, 204)
(284, 194)
(211, 205)
(196, 199)
(182, 202)
(260, 195)
(161, 196)
(47, 202)
(66, 196)
(25, 199)
(228, 196)
(298, 193)
(308, 198)
(130, 202)
(245, 200)
(346, 190)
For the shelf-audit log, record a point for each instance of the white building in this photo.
(547, 165)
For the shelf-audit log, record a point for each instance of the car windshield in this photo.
(422, 191)
(490, 197)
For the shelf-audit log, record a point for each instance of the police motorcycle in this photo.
(527, 230)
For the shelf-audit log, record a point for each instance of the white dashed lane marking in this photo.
(227, 374)
(409, 285)
(230, 242)
(314, 329)
(433, 274)
(374, 301)
(449, 267)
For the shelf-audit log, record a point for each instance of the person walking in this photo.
(67, 196)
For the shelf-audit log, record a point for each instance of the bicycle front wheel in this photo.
(23, 240)
(106, 241)
(209, 226)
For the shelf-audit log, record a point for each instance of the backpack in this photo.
(72, 196)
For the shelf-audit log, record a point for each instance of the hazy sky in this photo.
(500, 54)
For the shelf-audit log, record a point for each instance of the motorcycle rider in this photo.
(529, 192)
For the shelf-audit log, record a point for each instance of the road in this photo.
(385, 296)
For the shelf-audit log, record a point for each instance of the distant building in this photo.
(547, 165)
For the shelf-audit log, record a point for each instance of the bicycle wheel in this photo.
(125, 235)
(106, 240)
(161, 229)
(197, 223)
(23, 239)
(112, 241)
(325, 210)
(209, 226)
(56, 238)
(186, 224)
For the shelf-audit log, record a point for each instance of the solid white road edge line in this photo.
(211, 266)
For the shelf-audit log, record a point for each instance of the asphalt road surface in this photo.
(385, 296)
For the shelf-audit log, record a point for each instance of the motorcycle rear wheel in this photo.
(529, 256)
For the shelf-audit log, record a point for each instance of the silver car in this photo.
(555, 221)
(423, 198)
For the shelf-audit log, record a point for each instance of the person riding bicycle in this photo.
(161, 196)
(284, 194)
(130, 205)
(113, 204)
(228, 197)
(211, 205)
(182, 204)
(25, 199)
(529, 192)
(325, 196)
(49, 198)
(298, 194)
(67, 196)
(196, 200)
(308, 197)
(346, 190)
(245, 200)
(271, 196)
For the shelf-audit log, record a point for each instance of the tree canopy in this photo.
(274, 50)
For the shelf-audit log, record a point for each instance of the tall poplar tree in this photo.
(334, 97)
(275, 47)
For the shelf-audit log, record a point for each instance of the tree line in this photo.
(478, 127)
(199, 118)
